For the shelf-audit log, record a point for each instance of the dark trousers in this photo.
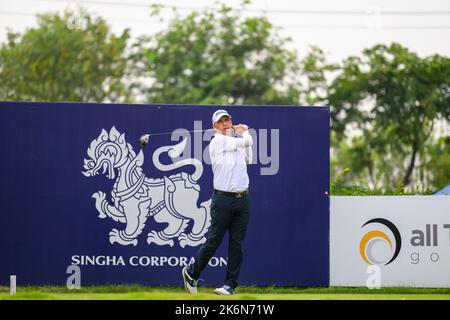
(227, 213)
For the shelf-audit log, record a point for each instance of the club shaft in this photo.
(169, 133)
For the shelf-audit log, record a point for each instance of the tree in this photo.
(73, 57)
(219, 57)
(316, 74)
(436, 168)
(394, 98)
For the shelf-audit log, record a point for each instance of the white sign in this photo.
(407, 237)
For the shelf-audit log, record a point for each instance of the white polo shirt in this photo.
(229, 159)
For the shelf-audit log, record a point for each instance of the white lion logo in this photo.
(171, 200)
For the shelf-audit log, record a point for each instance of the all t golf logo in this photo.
(374, 254)
(379, 247)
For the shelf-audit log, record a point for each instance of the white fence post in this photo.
(12, 285)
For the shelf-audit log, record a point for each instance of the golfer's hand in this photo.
(240, 128)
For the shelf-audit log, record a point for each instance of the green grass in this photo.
(134, 292)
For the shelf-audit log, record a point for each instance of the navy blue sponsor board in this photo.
(124, 217)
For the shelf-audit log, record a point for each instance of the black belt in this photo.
(232, 194)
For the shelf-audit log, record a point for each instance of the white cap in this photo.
(219, 114)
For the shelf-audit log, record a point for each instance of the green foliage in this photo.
(362, 188)
(218, 57)
(314, 70)
(72, 57)
(394, 99)
(389, 96)
(437, 165)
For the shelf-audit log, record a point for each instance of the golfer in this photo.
(230, 205)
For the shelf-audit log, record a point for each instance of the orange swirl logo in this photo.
(370, 238)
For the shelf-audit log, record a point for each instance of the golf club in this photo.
(145, 138)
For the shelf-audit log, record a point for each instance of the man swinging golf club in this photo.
(230, 205)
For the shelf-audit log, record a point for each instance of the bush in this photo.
(363, 189)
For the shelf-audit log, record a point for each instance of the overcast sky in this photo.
(341, 28)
